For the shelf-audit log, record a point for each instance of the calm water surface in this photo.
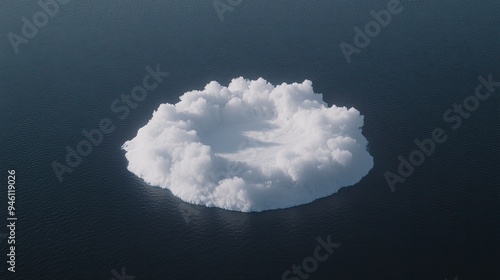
(442, 222)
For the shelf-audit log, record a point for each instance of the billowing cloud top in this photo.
(251, 146)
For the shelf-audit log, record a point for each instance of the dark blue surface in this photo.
(444, 221)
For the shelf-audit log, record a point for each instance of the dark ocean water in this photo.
(442, 222)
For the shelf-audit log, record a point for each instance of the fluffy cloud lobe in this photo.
(251, 146)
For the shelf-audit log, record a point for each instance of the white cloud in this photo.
(251, 146)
